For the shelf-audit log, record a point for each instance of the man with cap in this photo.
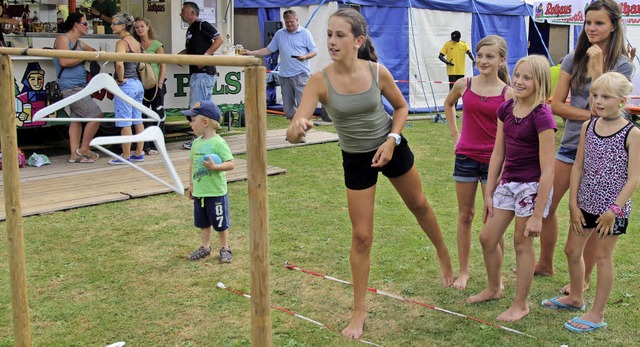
(210, 158)
(452, 54)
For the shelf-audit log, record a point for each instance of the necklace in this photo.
(516, 119)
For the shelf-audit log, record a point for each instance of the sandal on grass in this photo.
(200, 253)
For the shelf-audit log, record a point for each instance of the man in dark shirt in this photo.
(104, 9)
(201, 39)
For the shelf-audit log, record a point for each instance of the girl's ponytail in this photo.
(367, 51)
(503, 74)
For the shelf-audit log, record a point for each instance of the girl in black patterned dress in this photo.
(605, 175)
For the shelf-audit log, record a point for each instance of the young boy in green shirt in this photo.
(210, 157)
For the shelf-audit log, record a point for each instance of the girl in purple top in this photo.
(482, 95)
(605, 175)
(523, 158)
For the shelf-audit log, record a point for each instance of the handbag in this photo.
(147, 75)
(52, 92)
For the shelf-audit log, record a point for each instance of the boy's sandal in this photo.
(200, 253)
(226, 255)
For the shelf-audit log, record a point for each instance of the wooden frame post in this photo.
(11, 179)
(256, 120)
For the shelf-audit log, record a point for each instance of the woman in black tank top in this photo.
(350, 74)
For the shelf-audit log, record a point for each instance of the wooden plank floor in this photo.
(63, 185)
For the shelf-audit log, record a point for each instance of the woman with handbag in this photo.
(72, 77)
(153, 97)
(127, 78)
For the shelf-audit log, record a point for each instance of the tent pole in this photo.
(13, 210)
(256, 120)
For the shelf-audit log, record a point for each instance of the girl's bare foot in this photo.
(566, 290)
(355, 329)
(446, 271)
(543, 271)
(485, 295)
(461, 281)
(513, 314)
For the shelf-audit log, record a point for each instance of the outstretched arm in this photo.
(301, 122)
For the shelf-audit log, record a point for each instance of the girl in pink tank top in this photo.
(481, 96)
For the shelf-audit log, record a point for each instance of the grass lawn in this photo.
(118, 271)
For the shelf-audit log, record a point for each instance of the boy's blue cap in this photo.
(204, 108)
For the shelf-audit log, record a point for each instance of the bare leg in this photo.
(574, 249)
(490, 238)
(75, 132)
(549, 233)
(588, 263)
(139, 145)
(525, 264)
(410, 189)
(90, 131)
(126, 147)
(361, 203)
(606, 275)
(466, 194)
(223, 237)
(205, 237)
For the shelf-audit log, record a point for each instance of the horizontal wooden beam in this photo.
(178, 59)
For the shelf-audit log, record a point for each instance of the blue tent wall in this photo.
(503, 7)
(511, 28)
(389, 27)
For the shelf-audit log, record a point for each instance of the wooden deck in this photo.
(63, 185)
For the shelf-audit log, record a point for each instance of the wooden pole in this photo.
(177, 59)
(256, 120)
(11, 179)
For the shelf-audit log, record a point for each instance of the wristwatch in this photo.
(395, 137)
(617, 210)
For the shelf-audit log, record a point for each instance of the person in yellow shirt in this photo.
(452, 54)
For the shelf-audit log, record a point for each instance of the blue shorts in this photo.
(359, 175)
(619, 226)
(467, 170)
(133, 88)
(200, 87)
(211, 211)
(566, 155)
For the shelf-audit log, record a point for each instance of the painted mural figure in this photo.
(31, 96)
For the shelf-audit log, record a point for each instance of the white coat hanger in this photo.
(100, 81)
(152, 133)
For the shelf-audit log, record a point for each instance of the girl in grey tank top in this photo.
(350, 89)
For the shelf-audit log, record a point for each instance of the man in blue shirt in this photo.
(296, 47)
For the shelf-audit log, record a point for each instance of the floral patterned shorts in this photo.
(519, 197)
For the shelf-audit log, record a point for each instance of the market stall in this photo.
(39, 26)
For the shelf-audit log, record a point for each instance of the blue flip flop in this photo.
(557, 305)
(591, 326)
